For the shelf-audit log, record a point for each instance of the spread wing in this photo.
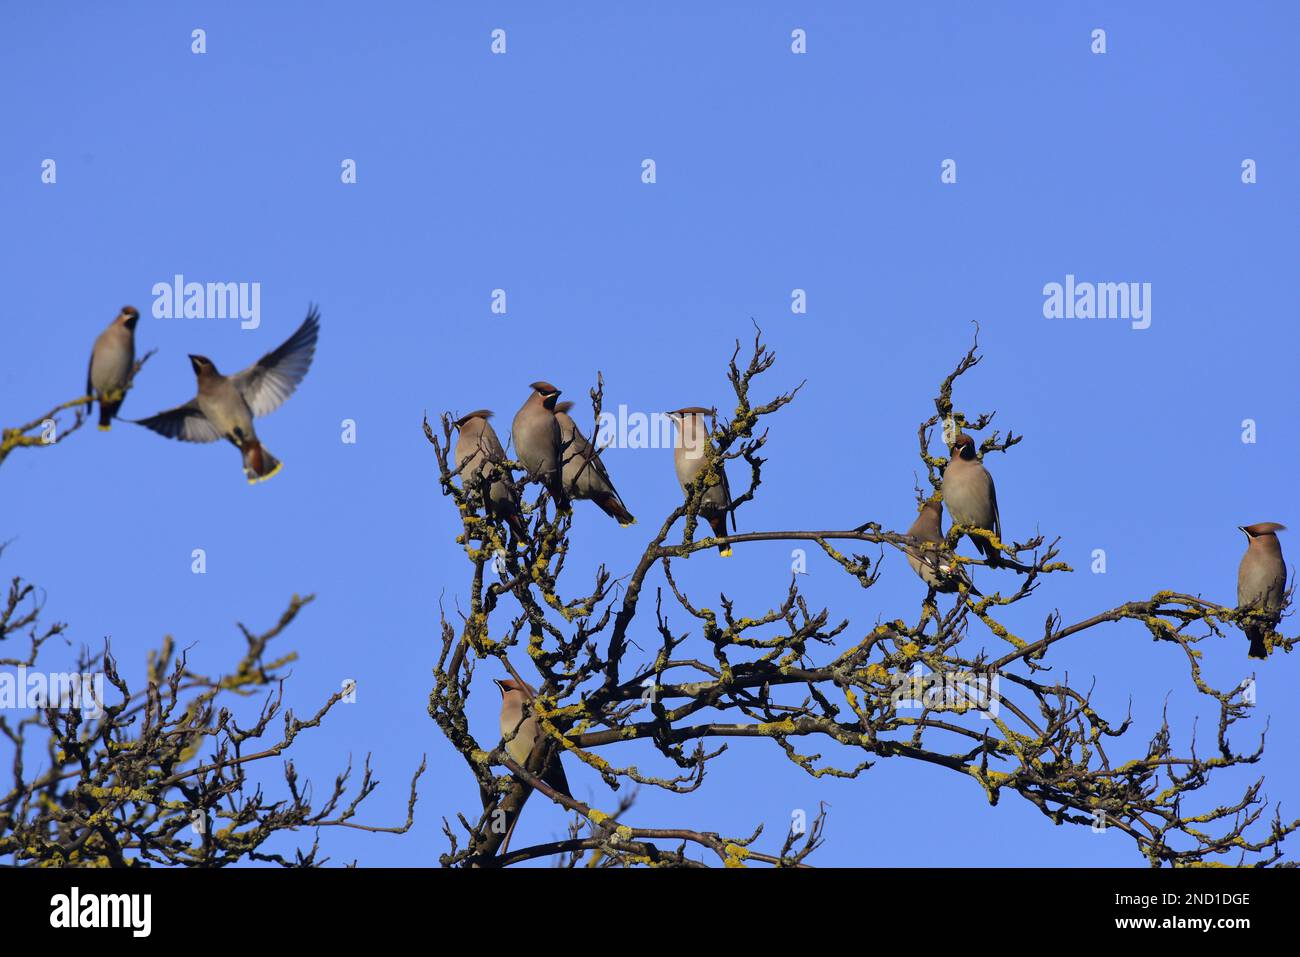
(267, 383)
(185, 422)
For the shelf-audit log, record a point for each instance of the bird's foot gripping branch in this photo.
(795, 677)
(114, 349)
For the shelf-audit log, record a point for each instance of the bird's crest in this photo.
(476, 414)
(1263, 528)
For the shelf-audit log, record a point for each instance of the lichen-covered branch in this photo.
(163, 774)
(48, 429)
(950, 684)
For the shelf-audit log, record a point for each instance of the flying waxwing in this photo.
(689, 458)
(584, 473)
(1261, 583)
(226, 405)
(970, 496)
(932, 563)
(111, 361)
(513, 695)
(477, 450)
(536, 434)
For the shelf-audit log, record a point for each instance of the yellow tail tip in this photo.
(105, 428)
(627, 524)
(271, 474)
(726, 552)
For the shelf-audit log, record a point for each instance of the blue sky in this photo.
(775, 171)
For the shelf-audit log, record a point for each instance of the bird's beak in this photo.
(500, 685)
(1242, 529)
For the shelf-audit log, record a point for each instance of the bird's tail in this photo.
(1256, 635)
(985, 548)
(107, 412)
(560, 494)
(719, 525)
(555, 777)
(613, 506)
(259, 464)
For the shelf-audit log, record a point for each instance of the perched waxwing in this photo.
(536, 434)
(477, 450)
(584, 473)
(970, 496)
(1261, 582)
(111, 361)
(513, 695)
(690, 458)
(932, 562)
(226, 405)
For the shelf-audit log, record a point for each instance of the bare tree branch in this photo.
(923, 687)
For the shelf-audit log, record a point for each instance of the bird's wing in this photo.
(267, 383)
(603, 474)
(595, 462)
(726, 490)
(90, 367)
(578, 449)
(993, 497)
(1277, 589)
(491, 445)
(185, 422)
(555, 777)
